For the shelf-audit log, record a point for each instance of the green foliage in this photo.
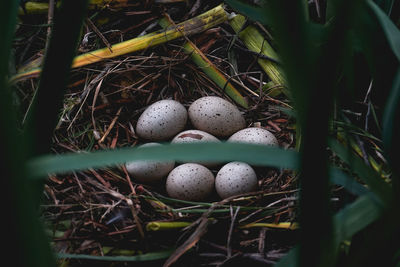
(143, 257)
(253, 154)
(314, 74)
(28, 245)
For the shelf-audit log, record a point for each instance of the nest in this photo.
(105, 212)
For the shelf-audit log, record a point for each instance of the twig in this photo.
(128, 179)
(233, 219)
(190, 242)
(94, 28)
(369, 105)
(111, 125)
(261, 241)
(96, 93)
(257, 257)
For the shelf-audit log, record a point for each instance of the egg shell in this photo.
(148, 171)
(216, 116)
(162, 120)
(254, 135)
(196, 136)
(235, 178)
(190, 181)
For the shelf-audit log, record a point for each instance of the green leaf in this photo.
(224, 152)
(391, 128)
(356, 217)
(375, 183)
(252, 12)
(391, 31)
(338, 177)
(391, 112)
(27, 245)
(390, 120)
(60, 52)
(385, 5)
(290, 259)
(347, 222)
(151, 256)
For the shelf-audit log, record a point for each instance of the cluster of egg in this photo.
(213, 117)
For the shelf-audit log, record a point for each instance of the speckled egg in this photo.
(235, 178)
(162, 120)
(190, 181)
(149, 171)
(254, 135)
(216, 116)
(196, 136)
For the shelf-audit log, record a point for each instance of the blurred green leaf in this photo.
(391, 31)
(151, 256)
(224, 152)
(385, 5)
(311, 88)
(47, 103)
(375, 183)
(252, 12)
(338, 177)
(391, 120)
(355, 217)
(26, 243)
(348, 221)
(391, 111)
(290, 259)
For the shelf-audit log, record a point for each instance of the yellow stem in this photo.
(198, 24)
(282, 225)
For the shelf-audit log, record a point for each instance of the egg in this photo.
(254, 135)
(216, 116)
(162, 120)
(190, 181)
(196, 136)
(235, 178)
(148, 171)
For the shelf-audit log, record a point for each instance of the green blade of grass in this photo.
(255, 13)
(356, 217)
(385, 5)
(269, 156)
(375, 183)
(338, 177)
(224, 152)
(391, 31)
(347, 222)
(151, 256)
(391, 129)
(27, 244)
(313, 107)
(34, 8)
(43, 115)
(48, 99)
